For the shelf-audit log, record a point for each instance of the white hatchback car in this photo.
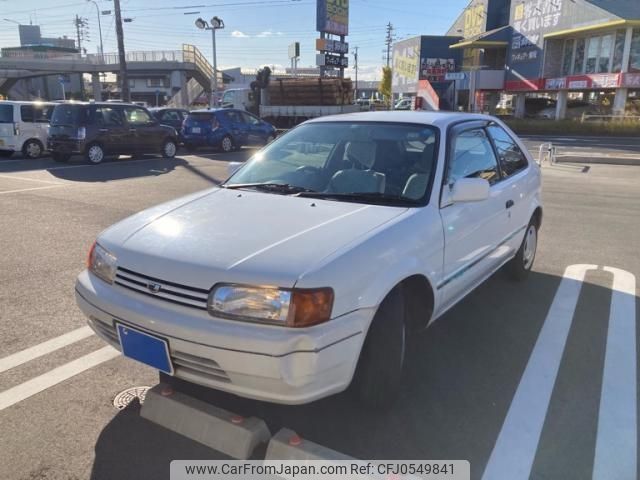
(24, 127)
(307, 270)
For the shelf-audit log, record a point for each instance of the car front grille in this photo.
(162, 289)
(184, 364)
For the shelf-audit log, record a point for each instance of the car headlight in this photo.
(276, 306)
(102, 263)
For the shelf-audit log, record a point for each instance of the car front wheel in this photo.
(169, 149)
(226, 144)
(520, 265)
(379, 371)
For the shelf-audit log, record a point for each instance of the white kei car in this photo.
(308, 269)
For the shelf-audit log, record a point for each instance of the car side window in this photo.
(472, 157)
(108, 117)
(27, 113)
(512, 160)
(171, 116)
(137, 116)
(250, 119)
(233, 117)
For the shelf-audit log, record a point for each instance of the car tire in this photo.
(94, 153)
(169, 148)
(60, 157)
(519, 266)
(379, 371)
(32, 149)
(226, 145)
(6, 153)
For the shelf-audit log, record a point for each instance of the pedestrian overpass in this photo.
(191, 69)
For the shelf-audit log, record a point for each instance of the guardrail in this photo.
(586, 117)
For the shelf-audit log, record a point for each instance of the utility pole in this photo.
(389, 42)
(355, 66)
(81, 30)
(124, 82)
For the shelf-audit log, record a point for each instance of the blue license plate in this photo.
(145, 348)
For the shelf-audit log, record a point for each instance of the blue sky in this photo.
(257, 31)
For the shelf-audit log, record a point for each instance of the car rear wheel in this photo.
(32, 149)
(169, 149)
(226, 144)
(60, 157)
(94, 153)
(379, 371)
(6, 153)
(519, 267)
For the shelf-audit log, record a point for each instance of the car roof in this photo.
(439, 119)
(24, 102)
(214, 110)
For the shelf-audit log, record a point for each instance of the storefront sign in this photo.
(630, 80)
(331, 46)
(455, 76)
(555, 83)
(332, 16)
(326, 60)
(583, 82)
(435, 69)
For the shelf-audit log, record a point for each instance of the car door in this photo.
(255, 129)
(473, 231)
(112, 132)
(28, 126)
(146, 133)
(236, 124)
(520, 186)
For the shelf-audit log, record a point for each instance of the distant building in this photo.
(31, 35)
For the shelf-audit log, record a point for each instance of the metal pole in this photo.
(214, 81)
(64, 94)
(99, 29)
(124, 81)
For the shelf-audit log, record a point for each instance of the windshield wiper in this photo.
(283, 188)
(365, 197)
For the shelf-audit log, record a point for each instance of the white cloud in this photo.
(266, 33)
(239, 34)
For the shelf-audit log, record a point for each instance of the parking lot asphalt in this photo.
(524, 380)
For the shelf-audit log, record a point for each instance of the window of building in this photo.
(157, 82)
(604, 58)
(512, 160)
(567, 56)
(618, 51)
(132, 83)
(634, 60)
(473, 157)
(578, 62)
(592, 55)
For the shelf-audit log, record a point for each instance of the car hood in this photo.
(240, 236)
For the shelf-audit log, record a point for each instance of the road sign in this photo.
(331, 46)
(294, 50)
(327, 60)
(455, 76)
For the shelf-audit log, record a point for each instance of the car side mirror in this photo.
(470, 190)
(233, 167)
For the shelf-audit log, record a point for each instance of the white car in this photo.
(24, 127)
(308, 269)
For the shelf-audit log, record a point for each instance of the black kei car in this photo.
(96, 130)
(174, 117)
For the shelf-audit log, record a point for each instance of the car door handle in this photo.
(133, 130)
(509, 204)
(103, 130)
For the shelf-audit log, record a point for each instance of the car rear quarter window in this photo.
(26, 113)
(6, 113)
(68, 115)
(512, 159)
(472, 157)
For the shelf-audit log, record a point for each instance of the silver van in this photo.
(24, 127)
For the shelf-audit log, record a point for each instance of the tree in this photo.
(385, 86)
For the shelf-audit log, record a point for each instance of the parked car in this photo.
(96, 130)
(310, 268)
(227, 129)
(174, 117)
(575, 109)
(403, 104)
(23, 127)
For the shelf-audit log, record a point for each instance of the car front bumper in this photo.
(281, 365)
(66, 146)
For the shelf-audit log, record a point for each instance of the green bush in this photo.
(618, 128)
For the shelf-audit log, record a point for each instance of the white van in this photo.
(239, 98)
(24, 127)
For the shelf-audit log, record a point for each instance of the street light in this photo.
(216, 24)
(99, 27)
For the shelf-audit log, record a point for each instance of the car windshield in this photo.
(67, 115)
(380, 163)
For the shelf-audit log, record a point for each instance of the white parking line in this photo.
(514, 451)
(32, 189)
(55, 376)
(616, 441)
(44, 348)
(27, 179)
